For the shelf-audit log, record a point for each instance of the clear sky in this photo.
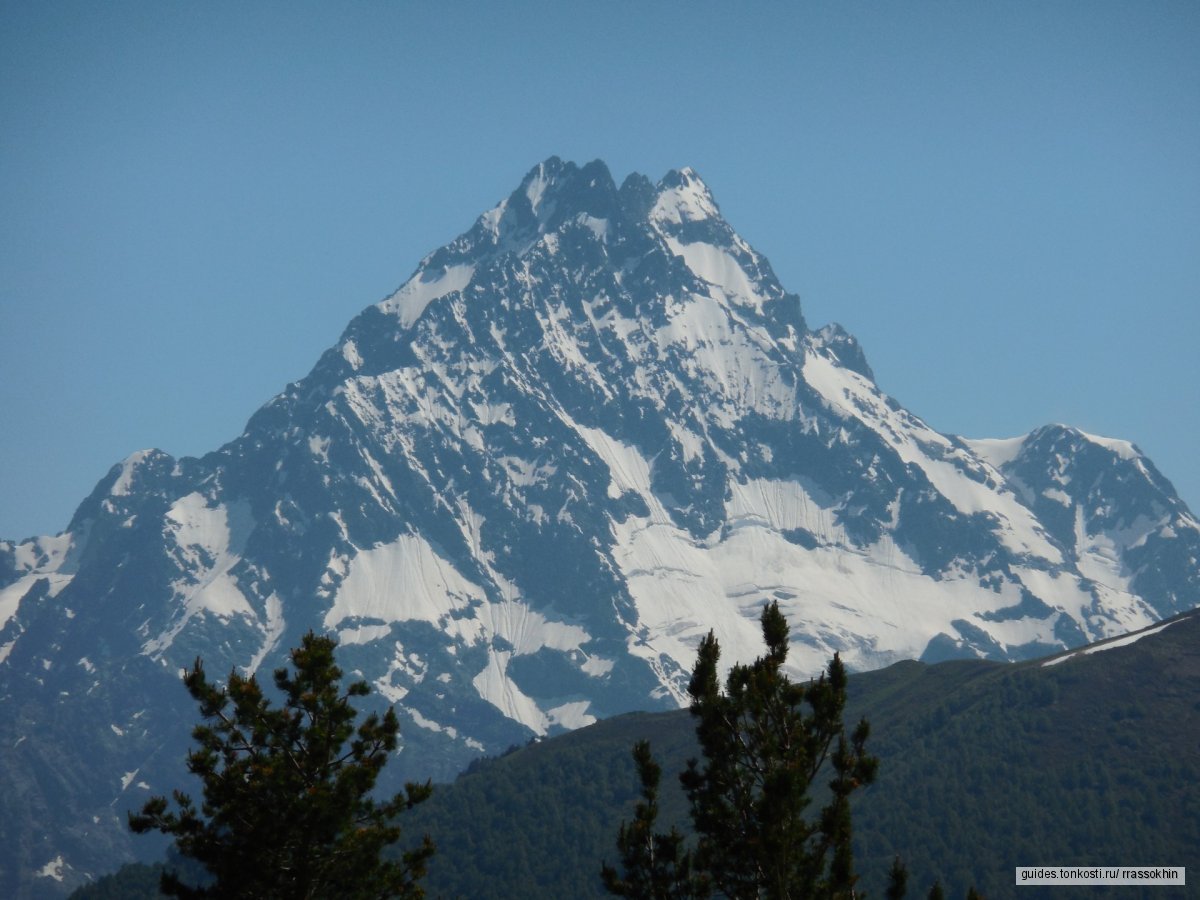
(1001, 200)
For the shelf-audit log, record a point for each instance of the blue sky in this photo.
(1000, 200)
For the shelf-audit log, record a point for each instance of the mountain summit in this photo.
(519, 490)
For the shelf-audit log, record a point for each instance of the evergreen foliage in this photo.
(983, 767)
(749, 799)
(897, 880)
(656, 865)
(286, 811)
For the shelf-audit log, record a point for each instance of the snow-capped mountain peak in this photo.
(520, 489)
(683, 198)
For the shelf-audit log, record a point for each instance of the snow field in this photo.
(408, 580)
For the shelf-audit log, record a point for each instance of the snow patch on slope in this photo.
(43, 558)
(1123, 641)
(129, 466)
(731, 361)
(207, 544)
(688, 200)
(402, 581)
(410, 301)
(55, 869)
(719, 268)
(1124, 449)
(997, 452)
(272, 632)
(409, 580)
(494, 686)
(572, 715)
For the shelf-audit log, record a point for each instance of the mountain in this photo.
(520, 488)
(981, 770)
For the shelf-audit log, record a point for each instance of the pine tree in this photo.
(897, 880)
(749, 799)
(286, 811)
(656, 865)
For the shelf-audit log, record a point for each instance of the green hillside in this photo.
(984, 767)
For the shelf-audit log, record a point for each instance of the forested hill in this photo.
(1083, 759)
(984, 767)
